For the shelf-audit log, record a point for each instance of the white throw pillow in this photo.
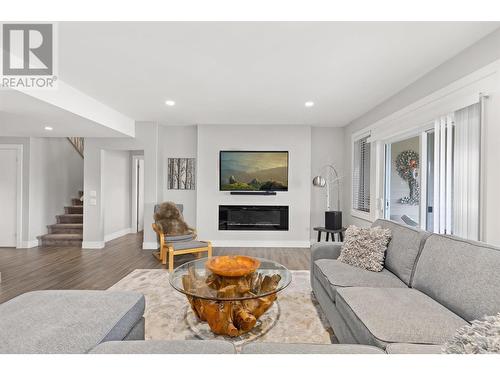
(481, 337)
(365, 247)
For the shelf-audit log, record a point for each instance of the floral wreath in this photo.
(406, 163)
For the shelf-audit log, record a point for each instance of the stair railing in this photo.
(77, 143)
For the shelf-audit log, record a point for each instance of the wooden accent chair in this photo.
(177, 245)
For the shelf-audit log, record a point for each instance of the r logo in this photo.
(27, 49)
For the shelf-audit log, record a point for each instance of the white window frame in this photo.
(354, 212)
(383, 180)
(416, 117)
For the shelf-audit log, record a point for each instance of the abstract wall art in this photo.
(181, 173)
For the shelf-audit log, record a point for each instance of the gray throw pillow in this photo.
(481, 337)
(365, 247)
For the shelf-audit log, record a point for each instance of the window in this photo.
(457, 180)
(361, 175)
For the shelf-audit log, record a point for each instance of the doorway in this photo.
(402, 181)
(137, 193)
(11, 192)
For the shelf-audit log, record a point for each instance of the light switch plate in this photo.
(93, 193)
(93, 202)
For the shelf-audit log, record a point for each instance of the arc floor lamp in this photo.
(333, 219)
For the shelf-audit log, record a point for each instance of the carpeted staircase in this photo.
(69, 228)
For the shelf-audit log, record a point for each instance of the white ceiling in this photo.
(254, 73)
(22, 115)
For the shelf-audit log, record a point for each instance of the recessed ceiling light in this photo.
(49, 128)
(309, 104)
(170, 103)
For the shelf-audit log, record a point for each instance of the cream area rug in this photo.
(297, 318)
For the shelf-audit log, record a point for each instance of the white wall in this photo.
(177, 142)
(294, 139)
(56, 176)
(479, 55)
(116, 193)
(327, 147)
(182, 141)
(146, 138)
(482, 53)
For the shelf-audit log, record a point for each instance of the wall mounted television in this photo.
(253, 171)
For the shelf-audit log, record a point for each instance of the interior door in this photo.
(140, 195)
(8, 197)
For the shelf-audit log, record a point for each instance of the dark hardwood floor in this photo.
(24, 270)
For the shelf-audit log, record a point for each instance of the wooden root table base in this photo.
(232, 317)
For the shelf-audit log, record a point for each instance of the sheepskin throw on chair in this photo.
(170, 220)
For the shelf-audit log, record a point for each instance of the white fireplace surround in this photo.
(294, 139)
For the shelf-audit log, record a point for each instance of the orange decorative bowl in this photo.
(232, 265)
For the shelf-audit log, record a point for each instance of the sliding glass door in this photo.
(402, 181)
(432, 179)
(428, 169)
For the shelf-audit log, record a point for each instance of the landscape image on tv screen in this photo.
(254, 170)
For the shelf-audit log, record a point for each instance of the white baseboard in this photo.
(150, 245)
(231, 243)
(108, 237)
(92, 244)
(28, 244)
(114, 235)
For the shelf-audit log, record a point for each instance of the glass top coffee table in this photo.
(230, 293)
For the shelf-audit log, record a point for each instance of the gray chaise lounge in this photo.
(86, 321)
(69, 321)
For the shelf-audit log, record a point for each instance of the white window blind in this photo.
(456, 173)
(443, 174)
(361, 175)
(466, 166)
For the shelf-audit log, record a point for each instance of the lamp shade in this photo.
(319, 181)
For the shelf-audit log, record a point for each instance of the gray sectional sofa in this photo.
(69, 321)
(431, 285)
(108, 322)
